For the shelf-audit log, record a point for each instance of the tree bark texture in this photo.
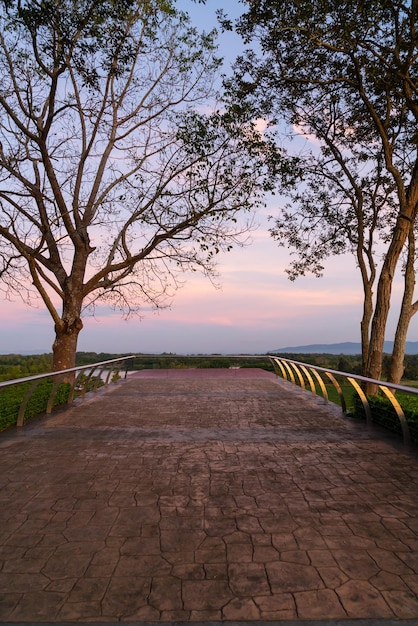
(66, 334)
(383, 300)
(396, 366)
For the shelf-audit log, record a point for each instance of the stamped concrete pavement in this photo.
(206, 495)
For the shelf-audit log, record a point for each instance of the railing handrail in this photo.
(301, 369)
(25, 379)
(363, 379)
(58, 377)
(306, 369)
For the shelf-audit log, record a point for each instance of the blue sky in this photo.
(255, 309)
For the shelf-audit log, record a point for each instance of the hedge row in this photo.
(384, 414)
(11, 399)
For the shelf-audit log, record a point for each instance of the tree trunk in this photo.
(368, 276)
(396, 366)
(404, 224)
(365, 320)
(66, 336)
(364, 327)
(384, 291)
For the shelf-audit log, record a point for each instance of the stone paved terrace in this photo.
(206, 496)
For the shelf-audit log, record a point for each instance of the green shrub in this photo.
(11, 399)
(385, 415)
(94, 382)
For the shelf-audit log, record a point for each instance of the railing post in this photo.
(399, 413)
(339, 391)
(363, 399)
(23, 406)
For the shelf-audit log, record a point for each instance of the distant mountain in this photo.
(343, 348)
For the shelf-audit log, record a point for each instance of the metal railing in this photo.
(306, 374)
(81, 382)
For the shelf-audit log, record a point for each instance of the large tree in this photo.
(348, 68)
(342, 205)
(114, 174)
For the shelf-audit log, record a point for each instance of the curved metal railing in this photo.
(307, 374)
(80, 383)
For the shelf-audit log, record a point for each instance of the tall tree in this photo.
(113, 179)
(408, 309)
(337, 208)
(360, 60)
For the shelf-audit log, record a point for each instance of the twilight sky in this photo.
(255, 310)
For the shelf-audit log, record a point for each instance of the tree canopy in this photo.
(118, 168)
(343, 74)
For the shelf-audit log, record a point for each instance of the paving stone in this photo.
(248, 524)
(410, 559)
(87, 588)
(275, 604)
(178, 558)
(403, 602)
(238, 537)
(8, 601)
(216, 571)
(175, 616)
(389, 562)
(86, 533)
(284, 541)
(62, 585)
(412, 582)
(125, 595)
(19, 540)
(204, 595)
(292, 577)
(295, 556)
(165, 593)
(145, 613)
(385, 581)
(333, 577)
(220, 527)
(21, 583)
(50, 540)
(211, 550)
(37, 606)
(135, 546)
(79, 611)
(361, 600)
(218, 495)
(189, 571)
(10, 553)
(264, 554)
(175, 540)
(279, 615)
(25, 565)
(204, 616)
(349, 543)
(241, 553)
(248, 579)
(66, 566)
(241, 609)
(316, 604)
(321, 558)
(148, 565)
